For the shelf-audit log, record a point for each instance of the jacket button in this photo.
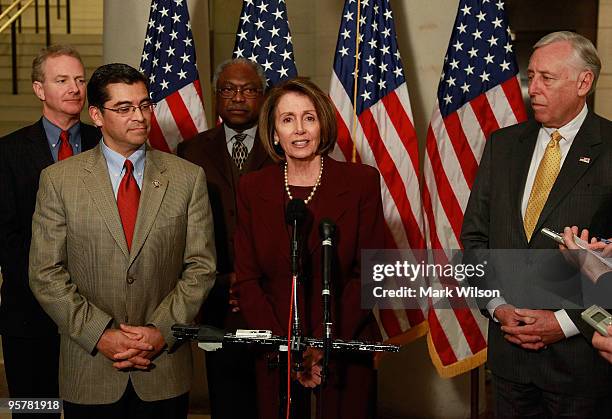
(130, 280)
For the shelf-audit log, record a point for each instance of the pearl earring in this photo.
(276, 142)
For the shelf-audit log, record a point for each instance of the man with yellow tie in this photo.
(550, 171)
(58, 80)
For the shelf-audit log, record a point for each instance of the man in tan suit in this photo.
(122, 249)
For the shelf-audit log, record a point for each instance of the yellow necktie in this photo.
(543, 183)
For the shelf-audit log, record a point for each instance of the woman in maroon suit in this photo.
(298, 129)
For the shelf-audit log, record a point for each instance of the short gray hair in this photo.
(52, 51)
(584, 51)
(258, 69)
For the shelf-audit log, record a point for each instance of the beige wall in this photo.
(603, 96)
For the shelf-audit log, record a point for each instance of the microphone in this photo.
(327, 230)
(296, 211)
(295, 214)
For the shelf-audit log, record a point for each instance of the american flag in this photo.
(478, 93)
(169, 62)
(375, 127)
(264, 37)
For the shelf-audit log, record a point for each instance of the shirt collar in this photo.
(569, 130)
(229, 133)
(53, 132)
(115, 161)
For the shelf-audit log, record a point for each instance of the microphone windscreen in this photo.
(327, 228)
(296, 211)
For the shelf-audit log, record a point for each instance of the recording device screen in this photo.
(598, 317)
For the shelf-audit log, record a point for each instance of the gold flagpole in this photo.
(355, 79)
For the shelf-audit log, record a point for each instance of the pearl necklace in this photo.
(314, 188)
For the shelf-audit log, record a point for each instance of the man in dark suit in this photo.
(551, 172)
(225, 153)
(28, 334)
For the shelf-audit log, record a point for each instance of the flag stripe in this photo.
(476, 139)
(441, 341)
(504, 115)
(181, 116)
(388, 171)
(403, 126)
(167, 125)
(344, 139)
(192, 99)
(156, 137)
(463, 151)
(512, 89)
(484, 114)
(447, 196)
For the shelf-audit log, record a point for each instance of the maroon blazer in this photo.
(349, 195)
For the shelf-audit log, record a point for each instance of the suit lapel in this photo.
(41, 154)
(272, 197)
(522, 151)
(98, 184)
(257, 157)
(219, 155)
(586, 144)
(154, 185)
(334, 188)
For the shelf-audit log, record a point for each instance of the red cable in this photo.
(288, 409)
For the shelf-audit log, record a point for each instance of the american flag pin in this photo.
(156, 183)
(586, 160)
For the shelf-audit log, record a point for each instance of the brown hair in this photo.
(323, 106)
(51, 51)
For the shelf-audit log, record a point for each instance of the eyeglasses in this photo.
(228, 92)
(125, 110)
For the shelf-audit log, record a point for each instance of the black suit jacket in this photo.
(23, 155)
(209, 151)
(581, 195)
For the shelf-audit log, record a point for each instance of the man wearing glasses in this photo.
(122, 250)
(225, 153)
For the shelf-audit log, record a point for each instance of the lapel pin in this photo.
(156, 183)
(585, 160)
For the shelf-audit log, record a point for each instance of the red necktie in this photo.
(65, 149)
(128, 198)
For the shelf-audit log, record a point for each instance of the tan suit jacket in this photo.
(85, 278)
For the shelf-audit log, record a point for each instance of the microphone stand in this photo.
(326, 233)
(296, 212)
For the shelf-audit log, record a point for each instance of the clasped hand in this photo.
(310, 377)
(131, 346)
(530, 329)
